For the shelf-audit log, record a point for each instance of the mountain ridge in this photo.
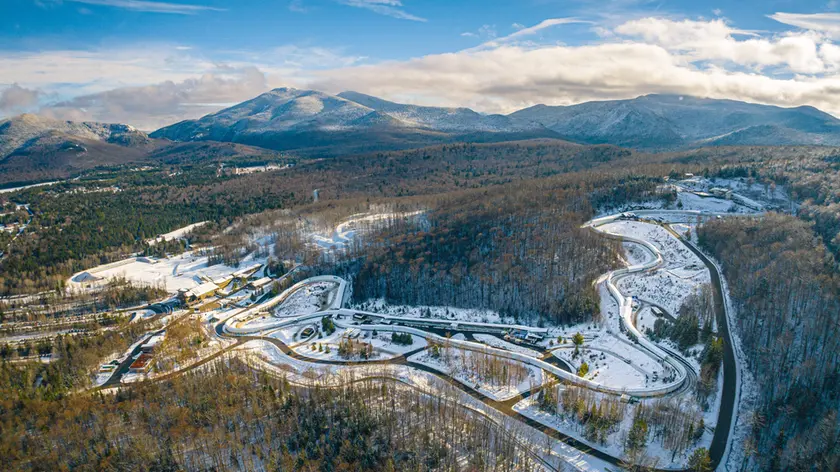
(312, 122)
(684, 122)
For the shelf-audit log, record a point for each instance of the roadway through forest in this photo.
(727, 413)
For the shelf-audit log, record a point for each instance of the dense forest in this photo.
(516, 249)
(787, 300)
(498, 228)
(261, 422)
(106, 215)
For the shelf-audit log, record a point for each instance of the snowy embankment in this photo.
(177, 234)
(353, 227)
(334, 301)
(625, 304)
(464, 367)
(327, 347)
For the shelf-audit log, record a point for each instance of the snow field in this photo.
(462, 364)
(383, 347)
(438, 312)
(177, 234)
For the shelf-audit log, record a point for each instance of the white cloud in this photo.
(392, 8)
(485, 32)
(18, 99)
(297, 6)
(152, 106)
(716, 41)
(527, 31)
(828, 23)
(653, 55)
(74, 72)
(507, 78)
(154, 85)
(150, 6)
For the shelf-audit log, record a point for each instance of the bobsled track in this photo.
(236, 327)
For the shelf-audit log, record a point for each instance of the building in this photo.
(141, 365)
(200, 292)
(749, 203)
(260, 285)
(223, 282)
(721, 192)
(149, 346)
(247, 272)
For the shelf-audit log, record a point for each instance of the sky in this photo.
(150, 63)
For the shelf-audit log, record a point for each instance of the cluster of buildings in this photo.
(728, 194)
(143, 363)
(197, 297)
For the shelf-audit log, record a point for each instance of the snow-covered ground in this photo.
(458, 368)
(438, 312)
(307, 299)
(681, 274)
(304, 373)
(177, 234)
(614, 442)
(183, 271)
(635, 254)
(383, 347)
(494, 341)
(353, 227)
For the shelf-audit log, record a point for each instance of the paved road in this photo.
(726, 414)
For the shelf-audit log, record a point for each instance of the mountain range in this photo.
(317, 124)
(669, 122)
(314, 122)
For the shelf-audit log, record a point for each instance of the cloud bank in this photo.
(700, 57)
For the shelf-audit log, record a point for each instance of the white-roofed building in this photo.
(200, 292)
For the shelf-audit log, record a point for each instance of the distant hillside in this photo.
(317, 123)
(34, 148)
(672, 122)
(25, 133)
(210, 151)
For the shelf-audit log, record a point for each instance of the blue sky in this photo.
(151, 62)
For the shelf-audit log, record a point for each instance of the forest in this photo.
(499, 228)
(515, 249)
(261, 422)
(785, 287)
